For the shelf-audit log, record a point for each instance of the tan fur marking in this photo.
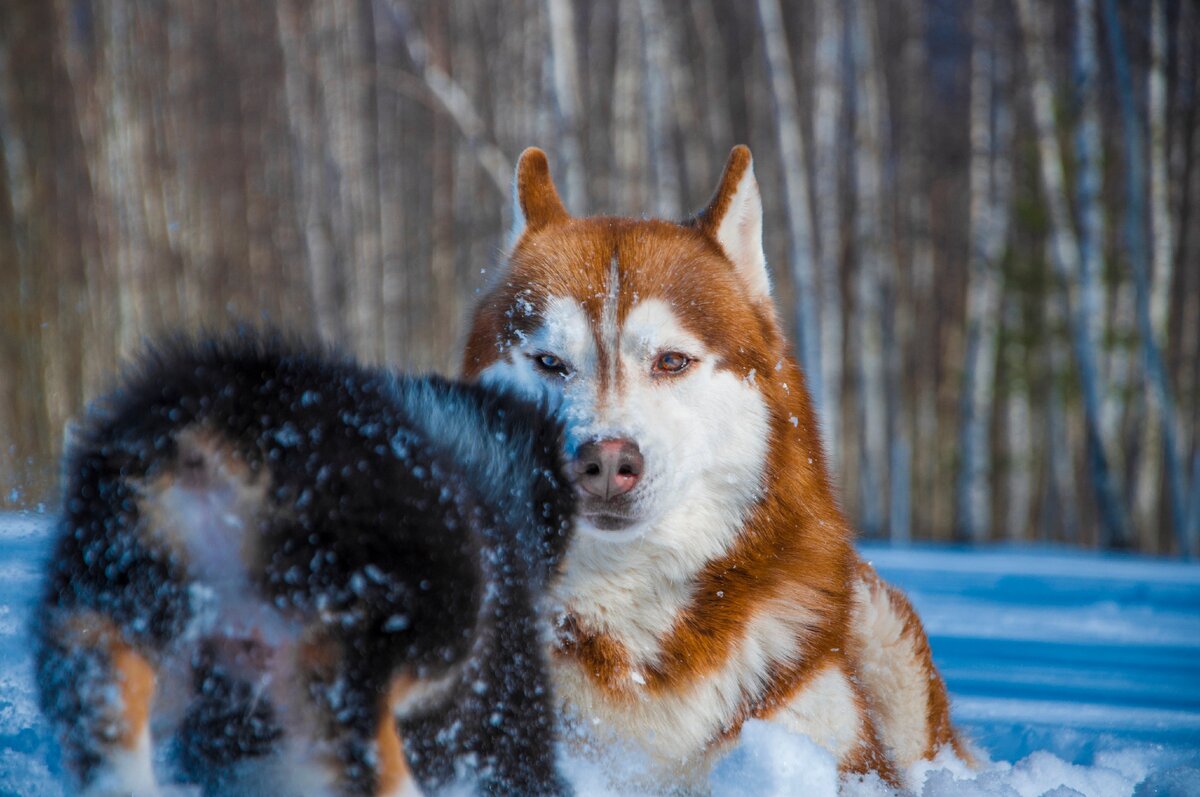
(135, 677)
(392, 770)
(132, 673)
(200, 450)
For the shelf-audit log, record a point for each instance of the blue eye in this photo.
(672, 362)
(547, 362)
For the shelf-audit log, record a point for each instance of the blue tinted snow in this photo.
(1078, 673)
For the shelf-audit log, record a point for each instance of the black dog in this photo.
(268, 554)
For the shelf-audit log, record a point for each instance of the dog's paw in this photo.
(124, 778)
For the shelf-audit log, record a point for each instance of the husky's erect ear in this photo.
(733, 219)
(535, 199)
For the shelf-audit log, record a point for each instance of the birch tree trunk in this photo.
(1158, 385)
(632, 187)
(919, 316)
(658, 99)
(869, 243)
(565, 68)
(827, 129)
(1076, 280)
(1184, 157)
(698, 159)
(1160, 212)
(797, 209)
(716, 74)
(453, 98)
(320, 257)
(1059, 512)
(990, 183)
(1088, 189)
(1148, 488)
(1018, 438)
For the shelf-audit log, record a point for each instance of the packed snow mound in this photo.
(1077, 673)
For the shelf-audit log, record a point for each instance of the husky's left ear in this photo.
(733, 219)
(535, 199)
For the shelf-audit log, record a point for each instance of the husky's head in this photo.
(658, 344)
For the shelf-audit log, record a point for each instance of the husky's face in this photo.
(651, 340)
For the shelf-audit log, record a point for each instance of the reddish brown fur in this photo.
(797, 544)
(602, 657)
(657, 259)
(540, 203)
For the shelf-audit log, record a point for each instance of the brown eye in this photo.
(548, 363)
(672, 362)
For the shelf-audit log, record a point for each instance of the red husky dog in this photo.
(712, 578)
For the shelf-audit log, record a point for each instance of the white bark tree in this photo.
(565, 69)
(827, 129)
(1088, 189)
(801, 249)
(1148, 486)
(871, 248)
(632, 186)
(990, 189)
(1158, 385)
(1018, 432)
(917, 318)
(1066, 260)
(659, 100)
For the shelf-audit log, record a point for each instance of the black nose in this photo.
(608, 468)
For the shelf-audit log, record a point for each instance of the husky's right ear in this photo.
(535, 199)
(733, 219)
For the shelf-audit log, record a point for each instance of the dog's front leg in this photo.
(97, 689)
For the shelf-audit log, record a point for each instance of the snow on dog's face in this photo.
(651, 339)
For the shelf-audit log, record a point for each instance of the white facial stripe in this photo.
(610, 334)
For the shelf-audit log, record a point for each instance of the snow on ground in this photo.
(1078, 673)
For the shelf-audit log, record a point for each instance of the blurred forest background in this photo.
(982, 216)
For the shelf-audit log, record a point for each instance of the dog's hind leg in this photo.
(340, 724)
(98, 690)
